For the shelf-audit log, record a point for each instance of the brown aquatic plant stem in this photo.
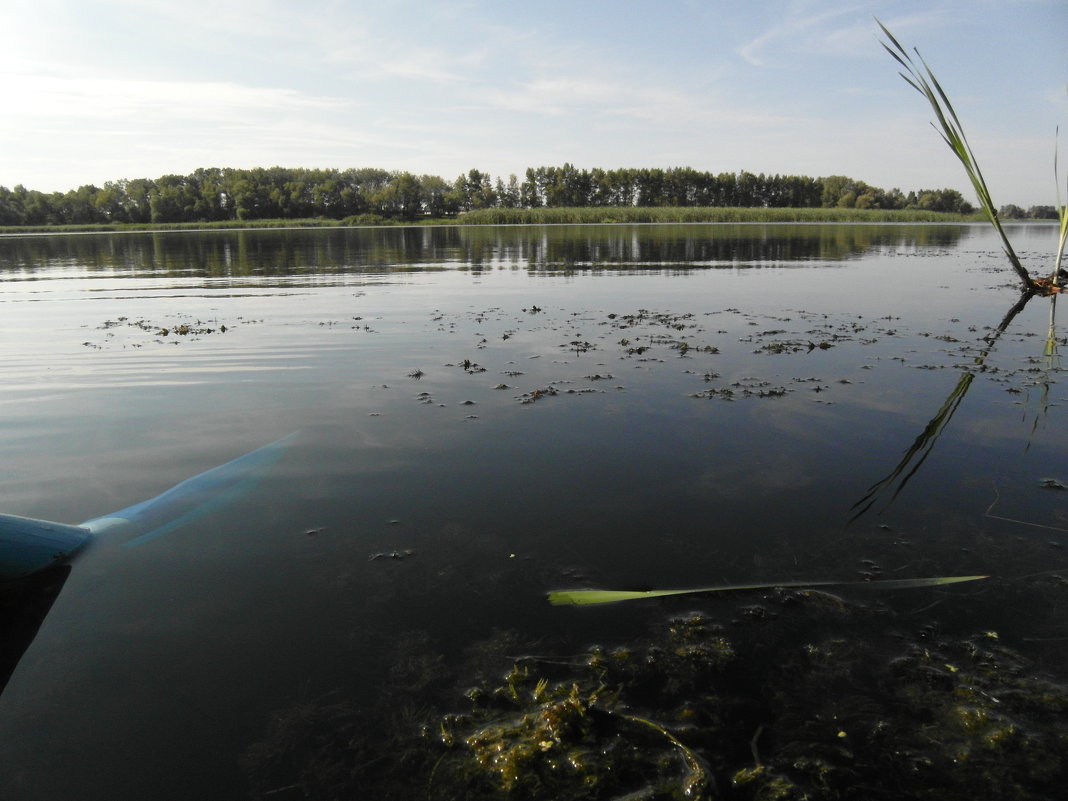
(1051, 333)
(753, 746)
(952, 133)
(997, 497)
(698, 779)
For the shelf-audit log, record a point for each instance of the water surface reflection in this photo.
(486, 414)
(296, 251)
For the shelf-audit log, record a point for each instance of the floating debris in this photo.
(192, 330)
(537, 394)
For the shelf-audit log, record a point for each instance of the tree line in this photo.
(370, 194)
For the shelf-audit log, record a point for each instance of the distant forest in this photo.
(367, 195)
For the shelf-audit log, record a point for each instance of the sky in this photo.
(100, 90)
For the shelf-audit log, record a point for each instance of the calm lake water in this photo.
(475, 417)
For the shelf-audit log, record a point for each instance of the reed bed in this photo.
(586, 215)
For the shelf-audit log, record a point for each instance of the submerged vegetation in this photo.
(798, 694)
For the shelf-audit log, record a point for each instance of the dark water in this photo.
(496, 413)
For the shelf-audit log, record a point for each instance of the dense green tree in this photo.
(529, 193)
(11, 209)
(77, 207)
(835, 187)
(650, 187)
(437, 201)
(210, 201)
(173, 198)
(508, 195)
(848, 200)
(947, 200)
(108, 203)
(210, 194)
(1042, 213)
(42, 209)
(474, 191)
(135, 199)
(401, 197)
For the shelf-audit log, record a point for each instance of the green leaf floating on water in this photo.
(590, 597)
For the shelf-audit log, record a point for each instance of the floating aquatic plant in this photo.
(592, 597)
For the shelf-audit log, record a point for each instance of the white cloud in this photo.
(608, 105)
(798, 28)
(812, 28)
(55, 96)
(67, 128)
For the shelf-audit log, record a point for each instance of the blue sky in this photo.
(98, 90)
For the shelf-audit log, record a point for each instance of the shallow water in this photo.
(483, 415)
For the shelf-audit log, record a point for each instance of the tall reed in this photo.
(951, 131)
(1062, 212)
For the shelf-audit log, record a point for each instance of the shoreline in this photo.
(585, 215)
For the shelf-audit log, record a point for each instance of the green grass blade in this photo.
(596, 597)
(892, 39)
(908, 584)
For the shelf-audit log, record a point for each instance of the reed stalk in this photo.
(1062, 213)
(952, 132)
(1051, 333)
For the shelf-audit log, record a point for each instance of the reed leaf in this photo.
(950, 129)
(594, 597)
(1062, 211)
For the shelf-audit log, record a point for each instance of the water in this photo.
(480, 416)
